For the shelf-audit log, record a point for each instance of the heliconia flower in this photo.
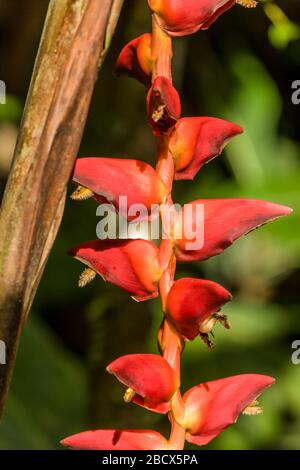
(213, 406)
(180, 18)
(225, 220)
(197, 140)
(135, 59)
(150, 380)
(111, 178)
(193, 306)
(121, 263)
(117, 439)
(163, 105)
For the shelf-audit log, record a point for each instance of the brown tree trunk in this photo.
(76, 37)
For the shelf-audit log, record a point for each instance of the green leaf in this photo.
(48, 395)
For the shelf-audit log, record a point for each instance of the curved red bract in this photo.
(135, 59)
(192, 302)
(116, 439)
(225, 220)
(112, 178)
(180, 18)
(213, 406)
(119, 262)
(163, 106)
(196, 141)
(150, 376)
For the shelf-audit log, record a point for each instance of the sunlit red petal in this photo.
(197, 140)
(113, 178)
(116, 439)
(135, 59)
(150, 376)
(192, 301)
(225, 220)
(163, 105)
(180, 18)
(213, 406)
(121, 263)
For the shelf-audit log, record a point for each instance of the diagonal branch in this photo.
(75, 40)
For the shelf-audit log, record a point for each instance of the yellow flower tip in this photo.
(253, 409)
(247, 3)
(158, 113)
(87, 276)
(223, 319)
(206, 340)
(128, 395)
(82, 194)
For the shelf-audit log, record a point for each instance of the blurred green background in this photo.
(242, 70)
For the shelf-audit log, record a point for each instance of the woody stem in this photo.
(74, 44)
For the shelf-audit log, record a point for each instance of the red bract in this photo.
(192, 306)
(116, 439)
(197, 140)
(135, 59)
(180, 18)
(112, 178)
(120, 262)
(213, 406)
(225, 220)
(150, 380)
(163, 105)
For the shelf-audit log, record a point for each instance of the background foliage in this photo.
(242, 70)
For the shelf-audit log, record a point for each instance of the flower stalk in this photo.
(161, 52)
